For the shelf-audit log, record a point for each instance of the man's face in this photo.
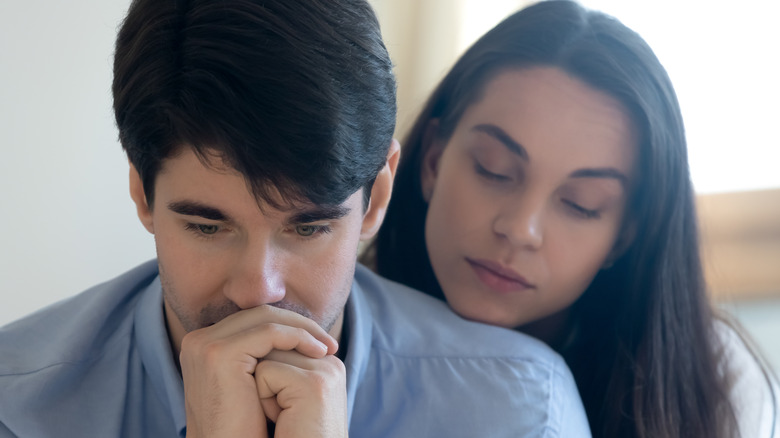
(220, 253)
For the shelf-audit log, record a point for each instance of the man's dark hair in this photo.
(298, 96)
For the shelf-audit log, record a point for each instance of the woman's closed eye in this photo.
(581, 211)
(493, 176)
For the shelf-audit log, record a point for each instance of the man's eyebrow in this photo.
(192, 208)
(602, 172)
(319, 213)
(499, 134)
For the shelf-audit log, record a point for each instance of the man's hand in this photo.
(221, 390)
(305, 397)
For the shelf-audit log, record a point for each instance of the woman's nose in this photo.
(521, 223)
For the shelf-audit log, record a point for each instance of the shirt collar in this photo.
(358, 312)
(156, 354)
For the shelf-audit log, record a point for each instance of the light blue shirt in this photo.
(100, 365)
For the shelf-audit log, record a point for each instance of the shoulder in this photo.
(72, 330)
(71, 357)
(436, 355)
(754, 388)
(406, 320)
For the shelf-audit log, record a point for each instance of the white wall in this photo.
(67, 221)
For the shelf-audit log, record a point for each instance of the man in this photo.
(259, 135)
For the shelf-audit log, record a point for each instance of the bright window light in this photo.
(724, 60)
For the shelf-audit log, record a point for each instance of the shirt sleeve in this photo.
(754, 390)
(572, 421)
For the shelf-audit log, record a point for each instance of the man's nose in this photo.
(257, 278)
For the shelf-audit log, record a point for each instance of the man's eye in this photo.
(312, 230)
(208, 229)
(203, 230)
(306, 230)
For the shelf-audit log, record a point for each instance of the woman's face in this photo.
(527, 197)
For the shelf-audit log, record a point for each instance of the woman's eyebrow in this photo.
(515, 147)
(500, 135)
(602, 172)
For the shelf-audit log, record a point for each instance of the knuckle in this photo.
(333, 370)
(319, 383)
(213, 351)
(261, 367)
(336, 365)
(198, 345)
(192, 342)
(270, 331)
(302, 333)
(330, 376)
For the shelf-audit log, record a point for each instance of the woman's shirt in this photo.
(754, 392)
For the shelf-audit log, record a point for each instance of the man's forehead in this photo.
(271, 199)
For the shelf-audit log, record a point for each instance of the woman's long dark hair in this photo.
(645, 354)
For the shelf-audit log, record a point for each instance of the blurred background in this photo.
(69, 222)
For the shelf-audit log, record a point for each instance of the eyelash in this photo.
(197, 230)
(582, 212)
(318, 230)
(488, 174)
(577, 209)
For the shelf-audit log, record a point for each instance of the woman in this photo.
(547, 181)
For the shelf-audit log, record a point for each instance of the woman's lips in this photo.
(498, 277)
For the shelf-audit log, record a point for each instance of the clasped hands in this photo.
(262, 364)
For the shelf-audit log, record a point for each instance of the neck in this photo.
(552, 329)
(175, 330)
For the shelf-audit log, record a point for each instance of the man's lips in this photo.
(498, 277)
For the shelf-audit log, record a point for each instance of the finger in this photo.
(311, 393)
(249, 318)
(261, 340)
(294, 359)
(285, 369)
(271, 408)
(272, 377)
(246, 347)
